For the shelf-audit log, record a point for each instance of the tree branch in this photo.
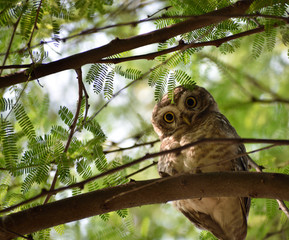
(222, 184)
(122, 45)
(149, 156)
(33, 30)
(184, 46)
(72, 129)
(134, 23)
(151, 143)
(11, 39)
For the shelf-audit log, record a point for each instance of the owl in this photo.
(194, 115)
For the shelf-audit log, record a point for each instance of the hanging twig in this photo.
(281, 203)
(11, 39)
(72, 129)
(141, 170)
(131, 147)
(32, 32)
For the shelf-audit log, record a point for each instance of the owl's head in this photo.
(188, 108)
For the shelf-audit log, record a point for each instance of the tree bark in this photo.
(122, 45)
(222, 184)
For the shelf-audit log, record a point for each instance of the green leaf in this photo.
(108, 85)
(83, 169)
(96, 75)
(184, 79)
(9, 148)
(6, 104)
(66, 115)
(258, 45)
(24, 122)
(100, 161)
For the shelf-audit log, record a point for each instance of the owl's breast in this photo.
(207, 157)
(172, 163)
(204, 157)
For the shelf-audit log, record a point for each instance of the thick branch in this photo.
(149, 156)
(222, 184)
(183, 46)
(121, 45)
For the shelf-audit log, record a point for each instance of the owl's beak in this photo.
(186, 120)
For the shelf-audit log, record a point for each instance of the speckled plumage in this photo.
(181, 123)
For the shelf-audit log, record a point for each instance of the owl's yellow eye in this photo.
(169, 117)
(191, 102)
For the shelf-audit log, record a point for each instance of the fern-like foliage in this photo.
(8, 142)
(24, 122)
(37, 160)
(100, 161)
(160, 84)
(84, 169)
(59, 132)
(66, 115)
(96, 75)
(102, 77)
(165, 80)
(94, 127)
(29, 17)
(272, 208)
(129, 73)
(108, 85)
(205, 235)
(171, 87)
(6, 104)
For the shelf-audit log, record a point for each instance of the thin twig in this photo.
(251, 80)
(72, 129)
(283, 207)
(270, 234)
(141, 170)
(11, 39)
(131, 147)
(281, 203)
(17, 66)
(86, 103)
(160, 10)
(80, 96)
(32, 33)
(15, 233)
(268, 101)
(276, 142)
(34, 25)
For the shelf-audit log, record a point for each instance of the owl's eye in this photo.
(169, 117)
(191, 102)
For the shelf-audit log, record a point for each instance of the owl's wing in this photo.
(241, 163)
(204, 221)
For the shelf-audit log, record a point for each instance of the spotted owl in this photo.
(194, 115)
